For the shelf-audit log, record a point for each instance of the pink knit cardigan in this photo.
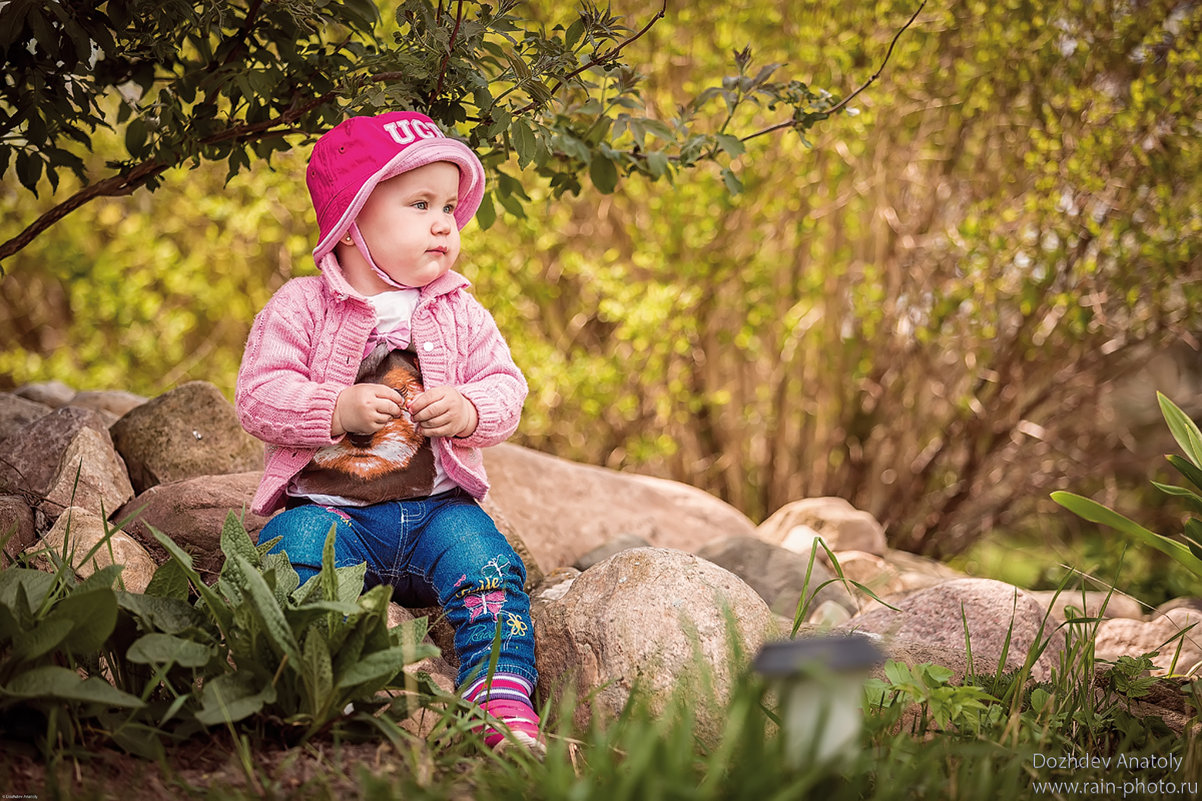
(305, 347)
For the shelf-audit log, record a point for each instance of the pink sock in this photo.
(507, 698)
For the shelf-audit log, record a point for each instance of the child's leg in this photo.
(479, 581)
(304, 530)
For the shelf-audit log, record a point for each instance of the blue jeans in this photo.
(443, 550)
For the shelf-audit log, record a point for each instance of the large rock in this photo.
(777, 575)
(17, 412)
(89, 548)
(188, 432)
(17, 529)
(841, 526)
(1091, 603)
(90, 475)
(992, 610)
(1123, 637)
(192, 513)
(565, 510)
(112, 403)
(54, 394)
(33, 454)
(650, 618)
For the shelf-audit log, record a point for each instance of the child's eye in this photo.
(421, 204)
(449, 208)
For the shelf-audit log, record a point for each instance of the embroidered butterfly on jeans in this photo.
(489, 603)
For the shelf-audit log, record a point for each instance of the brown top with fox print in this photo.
(395, 463)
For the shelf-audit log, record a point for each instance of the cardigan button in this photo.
(429, 346)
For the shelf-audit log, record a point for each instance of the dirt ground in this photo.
(199, 769)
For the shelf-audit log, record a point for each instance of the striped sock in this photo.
(507, 698)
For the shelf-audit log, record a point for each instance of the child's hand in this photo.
(443, 412)
(365, 409)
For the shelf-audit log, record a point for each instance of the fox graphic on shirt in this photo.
(394, 463)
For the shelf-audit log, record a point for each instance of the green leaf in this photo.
(523, 141)
(1097, 513)
(41, 640)
(169, 581)
(35, 583)
(166, 615)
(92, 615)
(235, 540)
(317, 672)
(733, 184)
(232, 697)
(267, 612)
(381, 666)
(732, 145)
(164, 649)
(1184, 430)
(1181, 492)
(67, 685)
(1186, 468)
(604, 174)
(214, 603)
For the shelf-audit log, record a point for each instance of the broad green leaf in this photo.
(235, 540)
(381, 666)
(41, 640)
(523, 141)
(164, 649)
(733, 184)
(216, 605)
(93, 616)
(166, 615)
(317, 672)
(232, 697)
(731, 145)
(64, 684)
(604, 174)
(35, 583)
(169, 581)
(1097, 513)
(267, 612)
(1184, 430)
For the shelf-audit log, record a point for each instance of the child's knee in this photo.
(303, 533)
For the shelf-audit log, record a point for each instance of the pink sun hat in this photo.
(350, 159)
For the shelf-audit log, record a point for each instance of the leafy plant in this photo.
(146, 667)
(1189, 551)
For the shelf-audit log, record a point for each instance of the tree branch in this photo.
(843, 103)
(446, 57)
(599, 60)
(130, 179)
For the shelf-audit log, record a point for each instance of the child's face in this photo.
(409, 227)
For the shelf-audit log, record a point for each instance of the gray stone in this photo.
(1161, 636)
(17, 412)
(777, 575)
(1091, 603)
(89, 548)
(564, 509)
(622, 542)
(16, 527)
(112, 403)
(841, 525)
(652, 619)
(192, 513)
(992, 611)
(188, 432)
(90, 475)
(31, 457)
(54, 394)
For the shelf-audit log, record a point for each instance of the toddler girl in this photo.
(376, 383)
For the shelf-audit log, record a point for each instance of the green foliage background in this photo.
(936, 312)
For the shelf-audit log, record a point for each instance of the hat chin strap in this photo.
(361, 244)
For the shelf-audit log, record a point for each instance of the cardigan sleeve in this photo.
(276, 398)
(491, 380)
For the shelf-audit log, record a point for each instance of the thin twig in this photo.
(842, 103)
(446, 57)
(599, 60)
